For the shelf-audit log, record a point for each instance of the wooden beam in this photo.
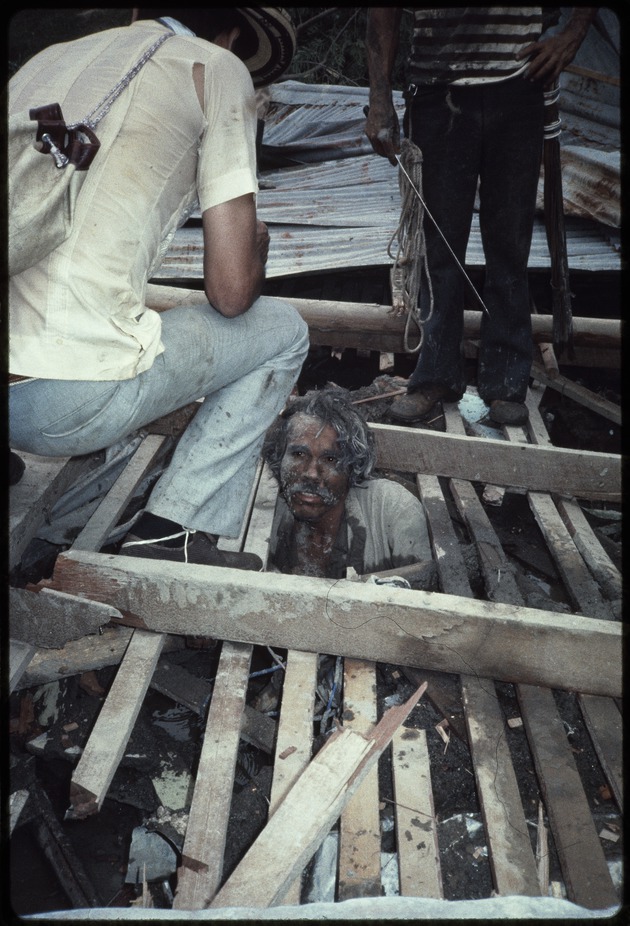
(377, 623)
(299, 824)
(579, 473)
(370, 326)
(586, 397)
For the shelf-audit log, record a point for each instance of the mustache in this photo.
(308, 488)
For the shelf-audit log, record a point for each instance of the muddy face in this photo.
(312, 480)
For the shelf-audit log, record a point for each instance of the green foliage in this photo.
(331, 46)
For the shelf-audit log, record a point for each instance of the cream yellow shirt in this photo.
(80, 313)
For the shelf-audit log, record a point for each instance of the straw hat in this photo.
(267, 42)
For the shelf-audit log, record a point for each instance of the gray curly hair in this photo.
(332, 406)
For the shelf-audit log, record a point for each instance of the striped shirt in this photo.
(468, 44)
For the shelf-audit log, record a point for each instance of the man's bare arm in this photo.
(381, 41)
(235, 253)
(550, 56)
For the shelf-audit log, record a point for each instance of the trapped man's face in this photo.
(312, 480)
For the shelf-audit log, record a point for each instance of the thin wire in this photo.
(455, 258)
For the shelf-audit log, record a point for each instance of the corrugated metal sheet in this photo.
(336, 204)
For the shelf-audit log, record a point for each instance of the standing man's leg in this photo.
(514, 117)
(445, 126)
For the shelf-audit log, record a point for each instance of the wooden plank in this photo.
(586, 397)
(579, 584)
(581, 856)
(294, 744)
(299, 824)
(90, 652)
(359, 826)
(50, 618)
(106, 745)
(511, 858)
(201, 869)
(400, 626)
(45, 479)
(99, 526)
(584, 868)
(605, 726)
(603, 569)
(510, 850)
(582, 473)
(416, 831)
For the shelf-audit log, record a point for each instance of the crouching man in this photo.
(332, 513)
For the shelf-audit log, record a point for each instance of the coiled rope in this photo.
(410, 261)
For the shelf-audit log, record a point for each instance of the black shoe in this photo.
(197, 548)
(416, 405)
(514, 413)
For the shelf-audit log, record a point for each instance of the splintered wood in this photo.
(306, 814)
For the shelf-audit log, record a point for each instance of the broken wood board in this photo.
(372, 622)
(45, 479)
(376, 328)
(416, 831)
(294, 744)
(106, 745)
(359, 826)
(199, 875)
(51, 619)
(301, 821)
(580, 473)
(87, 654)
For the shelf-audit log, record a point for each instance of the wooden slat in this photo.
(582, 473)
(609, 410)
(584, 868)
(581, 856)
(399, 626)
(416, 831)
(201, 870)
(96, 531)
(510, 852)
(298, 826)
(294, 744)
(605, 725)
(359, 826)
(106, 745)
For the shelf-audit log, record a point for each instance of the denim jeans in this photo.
(244, 369)
(491, 134)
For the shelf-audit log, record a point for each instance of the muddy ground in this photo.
(49, 726)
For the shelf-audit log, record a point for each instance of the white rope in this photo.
(410, 261)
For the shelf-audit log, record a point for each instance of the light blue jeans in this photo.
(244, 368)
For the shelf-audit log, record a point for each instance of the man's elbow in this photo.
(233, 301)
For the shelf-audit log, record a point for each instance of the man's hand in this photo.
(383, 130)
(550, 56)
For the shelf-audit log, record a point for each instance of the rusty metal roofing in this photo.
(335, 205)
